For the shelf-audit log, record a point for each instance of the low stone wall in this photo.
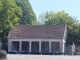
(77, 50)
(69, 50)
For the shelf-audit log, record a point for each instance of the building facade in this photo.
(37, 38)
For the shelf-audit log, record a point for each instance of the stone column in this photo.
(49, 47)
(65, 46)
(73, 48)
(40, 46)
(9, 45)
(62, 46)
(29, 46)
(20, 46)
(0, 45)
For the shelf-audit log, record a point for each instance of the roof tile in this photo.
(37, 32)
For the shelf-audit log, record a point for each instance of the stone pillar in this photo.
(0, 45)
(49, 47)
(65, 47)
(20, 46)
(40, 46)
(29, 46)
(61, 46)
(9, 45)
(73, 48)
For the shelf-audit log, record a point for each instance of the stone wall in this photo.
(77, 50)
(69, 49)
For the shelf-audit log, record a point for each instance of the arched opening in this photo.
(45, 47)
(55, 47)
(25, 46)
(35, 47)
(15, 46)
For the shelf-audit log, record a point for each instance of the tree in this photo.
(57, 18)
(73, 34)
(38, 23)
(8, 17)
(29, 17)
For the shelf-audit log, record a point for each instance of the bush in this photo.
(3, 55)
(2, 59)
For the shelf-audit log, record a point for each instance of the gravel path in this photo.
(41, 57)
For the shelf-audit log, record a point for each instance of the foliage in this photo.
(3, 54)
(2, 59)
(8, 17)
(38, 23)
(73, 34)
(14, 12)
(28, 17)
(59, 17)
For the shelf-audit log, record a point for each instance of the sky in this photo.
(72, 7)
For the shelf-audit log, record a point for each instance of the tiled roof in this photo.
(37, 32)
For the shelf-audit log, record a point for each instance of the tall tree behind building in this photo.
(8, 17)
(29, 17)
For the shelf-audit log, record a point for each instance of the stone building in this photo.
(37, 38)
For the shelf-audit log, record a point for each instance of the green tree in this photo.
(38, 23)
(73, 34)
(8, 17)
(29, 17)
(59, 17)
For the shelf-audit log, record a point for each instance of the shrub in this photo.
(2, 59)
(3, 55)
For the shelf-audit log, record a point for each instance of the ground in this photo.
(42, 57)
